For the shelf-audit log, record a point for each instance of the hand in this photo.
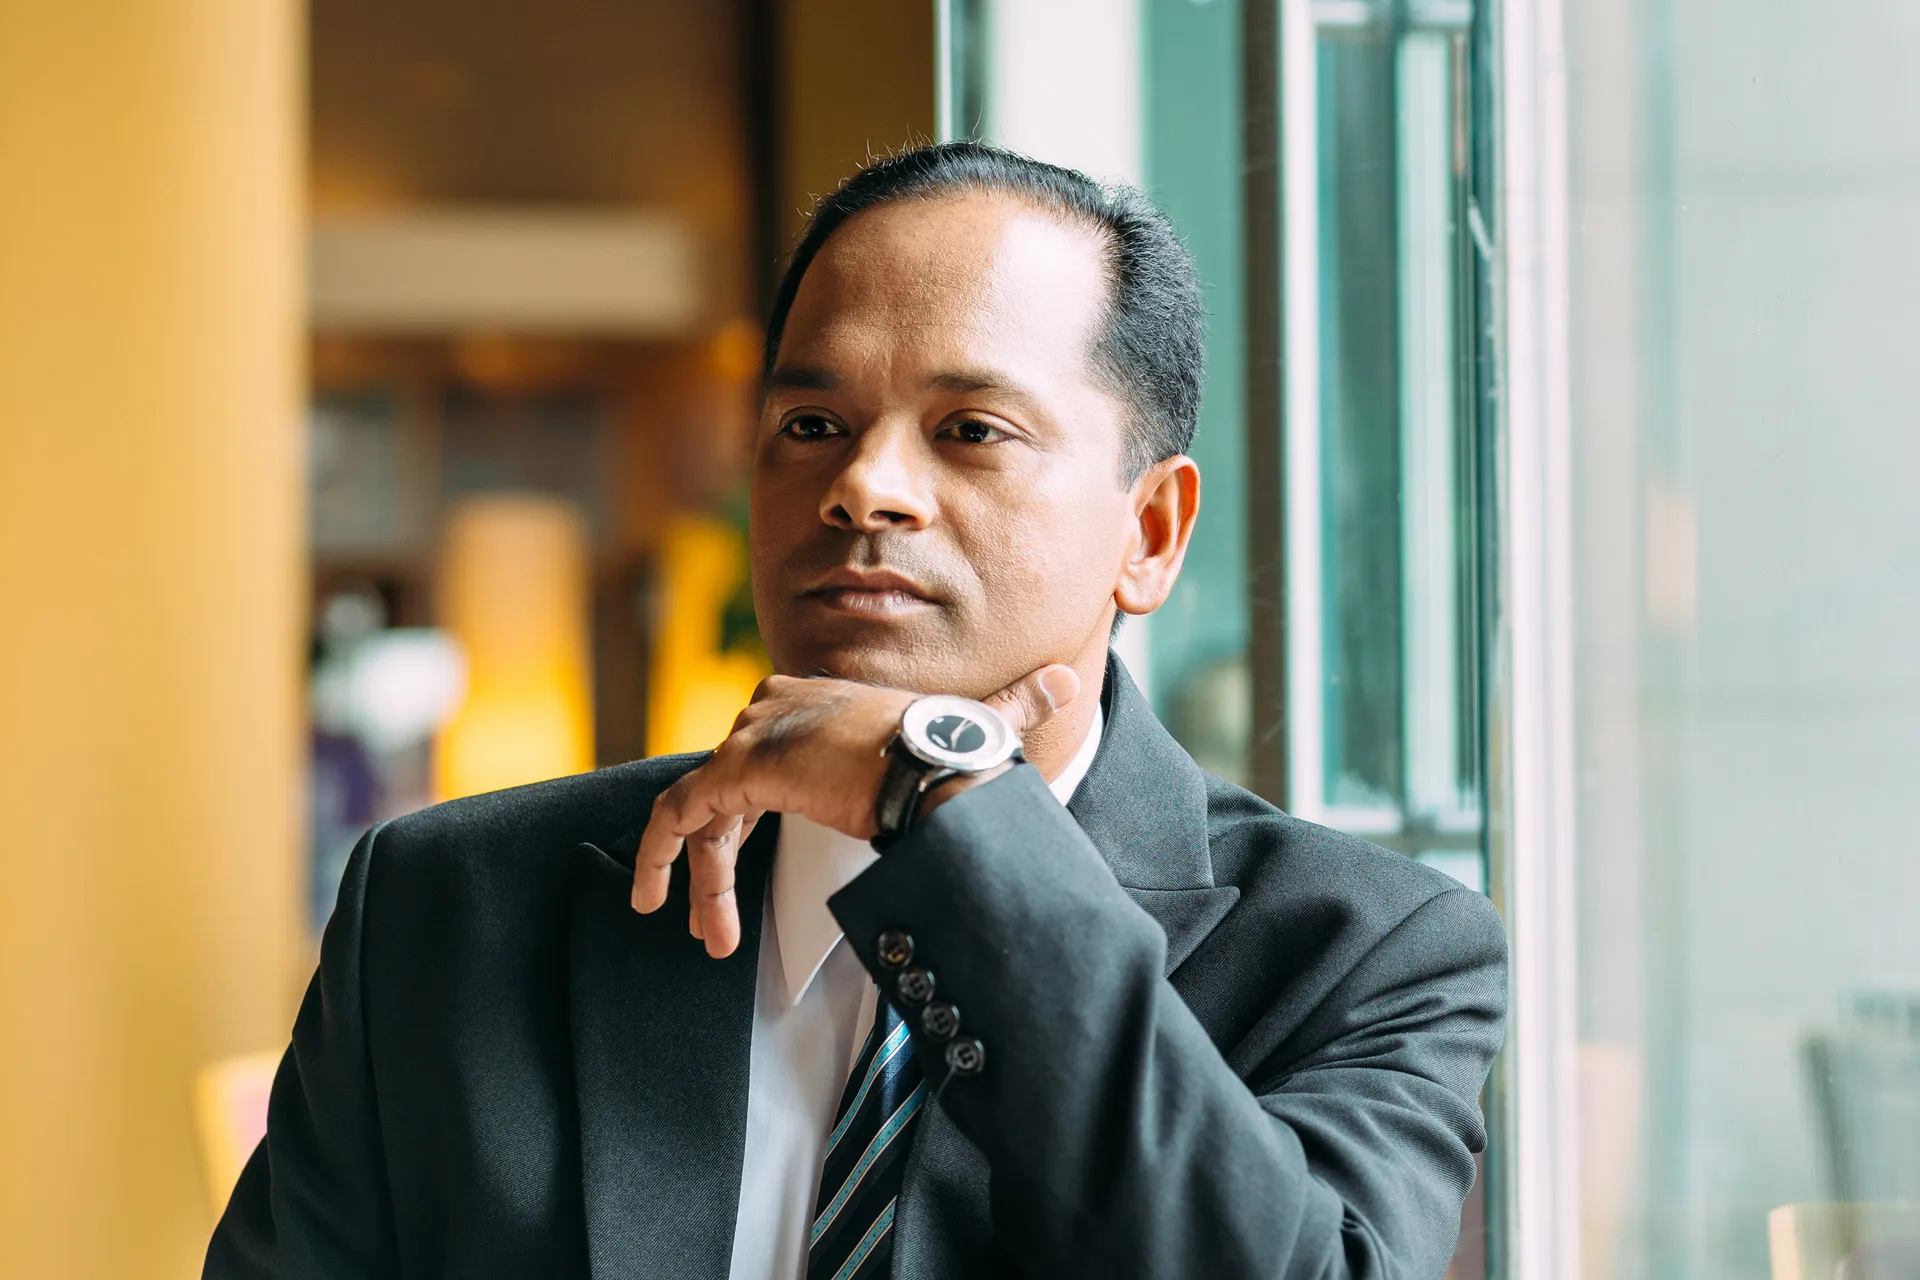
(815, 747)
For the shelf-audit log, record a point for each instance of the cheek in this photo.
(782, 506)
(1050, 558)
(778, 519)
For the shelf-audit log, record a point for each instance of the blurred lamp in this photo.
(513, 595)
(404, 684)
(391, 689)
(696, 686)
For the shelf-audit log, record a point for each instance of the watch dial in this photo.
(956, 733)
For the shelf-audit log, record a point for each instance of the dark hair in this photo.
(1152, 353)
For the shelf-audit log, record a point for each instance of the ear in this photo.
(1166, 498)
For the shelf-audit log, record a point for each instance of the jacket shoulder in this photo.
(536, 822)
(1349, 891)
(1338, 929)
(482, 884)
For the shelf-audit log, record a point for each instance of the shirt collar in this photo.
(1068, 782)
(814, 862)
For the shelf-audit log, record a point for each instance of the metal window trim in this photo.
(944, 125)
(1303, 572)
(1531, 773)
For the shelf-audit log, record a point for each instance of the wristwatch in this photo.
(940, 737)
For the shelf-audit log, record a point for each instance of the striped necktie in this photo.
(852, 1236)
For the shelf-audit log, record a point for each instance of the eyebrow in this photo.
(971, 381)
(800, 377)
(964, 380)
(804, 377)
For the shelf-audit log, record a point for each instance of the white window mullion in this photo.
(1531, 771)
(1300, 305)
(1429, 554)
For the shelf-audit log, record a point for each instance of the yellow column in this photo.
(150, 604)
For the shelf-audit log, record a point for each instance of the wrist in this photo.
(959, 784)
(944, 744)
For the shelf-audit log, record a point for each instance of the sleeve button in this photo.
(915, 986)
(940, 1020)
(895, 949)
(966, 1057)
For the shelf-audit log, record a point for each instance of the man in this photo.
(680, 1018)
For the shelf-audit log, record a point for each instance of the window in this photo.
(1385, 624)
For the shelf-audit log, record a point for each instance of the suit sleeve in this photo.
(312, 1200)
(1121, 1141)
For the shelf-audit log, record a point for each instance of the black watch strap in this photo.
(905, 784)
(906, 781)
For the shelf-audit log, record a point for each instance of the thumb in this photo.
(1030, 701)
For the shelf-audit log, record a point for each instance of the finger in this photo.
(694, 923)
(711, 854)
(1030, 701)
(678, 812)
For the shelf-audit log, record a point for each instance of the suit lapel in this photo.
(1144, 806)
(662, 1039)
(1186, 916)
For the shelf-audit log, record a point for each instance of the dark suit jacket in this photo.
(1219, 1041)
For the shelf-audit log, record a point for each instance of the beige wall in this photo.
(150, 562)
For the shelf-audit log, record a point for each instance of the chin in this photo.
(916, 668)
(874, 664)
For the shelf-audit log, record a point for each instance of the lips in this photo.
(874, 593)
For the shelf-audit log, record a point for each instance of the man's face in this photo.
(937, 493)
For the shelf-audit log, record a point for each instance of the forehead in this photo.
(968, 279)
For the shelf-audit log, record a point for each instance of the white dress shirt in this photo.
(813, 1005)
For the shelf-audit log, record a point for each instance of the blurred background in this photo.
(375, 381)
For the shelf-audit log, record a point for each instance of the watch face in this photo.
(957, 733)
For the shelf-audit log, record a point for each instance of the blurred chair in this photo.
(1865, 1075)
(1845, 1241)
(230, 1117)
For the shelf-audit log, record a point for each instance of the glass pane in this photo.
(1399, 745)
(1362, 761)
(1439, 679)
(1745, 286)
(962, 89)
(1191, 126)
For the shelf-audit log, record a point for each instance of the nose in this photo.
(883, 486)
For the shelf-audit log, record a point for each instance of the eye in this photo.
(972, 432)
(811, 426)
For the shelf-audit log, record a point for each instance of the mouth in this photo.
(869, 593)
